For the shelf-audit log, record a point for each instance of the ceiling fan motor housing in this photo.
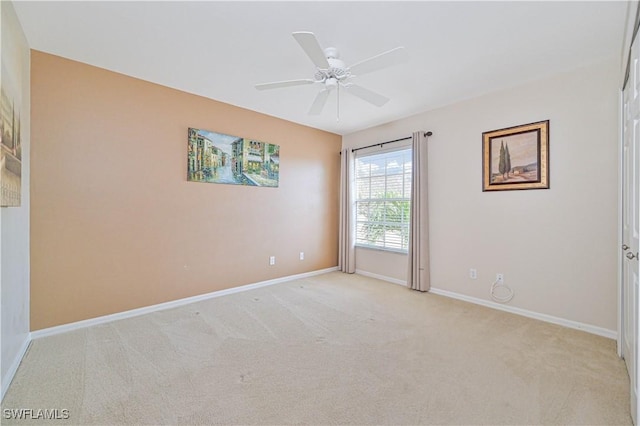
(337, 70)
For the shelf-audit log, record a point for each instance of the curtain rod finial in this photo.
(429, 133)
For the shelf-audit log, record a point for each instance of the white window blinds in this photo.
(383, 200)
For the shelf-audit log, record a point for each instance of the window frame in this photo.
(405, 176)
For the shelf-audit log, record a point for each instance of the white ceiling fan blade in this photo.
(312, 48)
(378, 62)
(366, 95)
(319, 102)
(287, 83)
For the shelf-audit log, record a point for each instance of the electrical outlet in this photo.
(301, 255)
(500, 277)
(473, 274)
(272, 260)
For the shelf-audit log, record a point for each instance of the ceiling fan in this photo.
(333, 74)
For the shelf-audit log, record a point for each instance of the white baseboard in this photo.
(168, 305)
(611, 334)
(381, 277)
(13, 368)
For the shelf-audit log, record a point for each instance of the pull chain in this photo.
(338, 104)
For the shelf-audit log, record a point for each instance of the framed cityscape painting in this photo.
(516, 157)
(219, 158)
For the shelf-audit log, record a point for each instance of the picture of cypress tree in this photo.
(507, 160)
(516, 157)
(502, 166)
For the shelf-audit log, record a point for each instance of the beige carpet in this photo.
(332, 349)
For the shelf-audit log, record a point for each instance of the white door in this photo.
(631, 225)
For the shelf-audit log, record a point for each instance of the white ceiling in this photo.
(219, 50)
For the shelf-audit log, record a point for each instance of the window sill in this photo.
(386, 250)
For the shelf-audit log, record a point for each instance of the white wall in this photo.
(14, 237)
(558, 247)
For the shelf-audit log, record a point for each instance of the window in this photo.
(383, 200)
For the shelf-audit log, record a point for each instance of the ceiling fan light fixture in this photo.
(333, 72)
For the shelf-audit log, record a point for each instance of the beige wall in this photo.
(557, 248)
(116, 226)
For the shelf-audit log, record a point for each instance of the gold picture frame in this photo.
(516, 157)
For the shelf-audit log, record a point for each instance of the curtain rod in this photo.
(384, 143)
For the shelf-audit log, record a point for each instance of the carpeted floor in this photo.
(331, 349)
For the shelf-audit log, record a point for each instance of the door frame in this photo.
(631, 36)
(621, 295)
(633, 10)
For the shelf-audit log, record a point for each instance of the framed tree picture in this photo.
(516, 157)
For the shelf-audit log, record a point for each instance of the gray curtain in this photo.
(346, 250)
(418, 274)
